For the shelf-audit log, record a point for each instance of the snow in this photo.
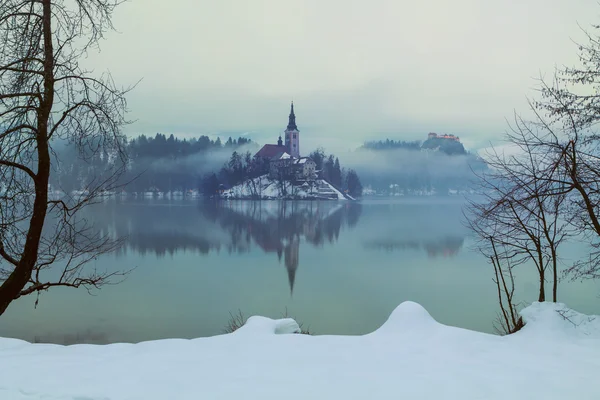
(267, 189)
(542, 318)
(410, 357)
(261, 325)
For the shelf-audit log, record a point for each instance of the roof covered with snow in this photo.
(302, 160)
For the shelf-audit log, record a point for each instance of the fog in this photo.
(356, 70)
(412, 169)
(202, 162)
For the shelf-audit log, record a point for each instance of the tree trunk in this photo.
(541, 272)
(16, 281)
(542, 296)
(555, 277)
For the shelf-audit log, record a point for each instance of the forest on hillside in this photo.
(167, 163)
(404, 167)
(158, 163)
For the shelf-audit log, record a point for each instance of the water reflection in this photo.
(235, 226)
(155, 229)
(431, 227)
(280, 227)
(447, 246)
(199, 262)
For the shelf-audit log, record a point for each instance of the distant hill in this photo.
(391, 145)
(440, 164)
(448, 146)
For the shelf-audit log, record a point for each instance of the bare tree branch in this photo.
(46, 96)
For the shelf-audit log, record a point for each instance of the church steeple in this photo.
(292, 135)
(292, 120)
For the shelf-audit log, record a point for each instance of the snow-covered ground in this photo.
(268, 189)
(410, 357)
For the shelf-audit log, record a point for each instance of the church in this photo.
(284, 160)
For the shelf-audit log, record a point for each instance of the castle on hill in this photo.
(433, 135)
(284, 160)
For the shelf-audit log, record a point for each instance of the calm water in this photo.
(339, 268)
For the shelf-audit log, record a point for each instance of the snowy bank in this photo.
(265, 188)
(410, 357)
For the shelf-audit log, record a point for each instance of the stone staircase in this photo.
(325, 191)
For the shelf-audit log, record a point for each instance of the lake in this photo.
(336, 267)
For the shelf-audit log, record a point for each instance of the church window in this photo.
(294, 136)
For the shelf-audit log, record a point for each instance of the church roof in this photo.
(270, 151)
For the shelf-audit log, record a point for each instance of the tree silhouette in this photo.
(46, 97)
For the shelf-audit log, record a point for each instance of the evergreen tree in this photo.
(353, 184)
(336, 174)
(391, 144)
(328, 168)
(210, 185)
(318, 156)
(236, 168)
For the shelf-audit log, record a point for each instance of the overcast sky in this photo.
(356, 69)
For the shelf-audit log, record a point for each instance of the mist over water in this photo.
(337, 267)
(413, 169)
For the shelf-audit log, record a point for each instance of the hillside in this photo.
(439, 165)
(264, 188)
(448, 146)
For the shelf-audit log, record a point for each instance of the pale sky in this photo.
(356, 69)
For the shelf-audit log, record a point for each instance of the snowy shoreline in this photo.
(555, 356)
(264, 188)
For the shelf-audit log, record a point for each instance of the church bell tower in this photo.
(292, 135)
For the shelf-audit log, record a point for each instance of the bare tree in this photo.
(523, 207)
(568, 98)
(47, 96)
(509, 320)
(550, 190)
(254, 172)
(571, 104)
(282, 180)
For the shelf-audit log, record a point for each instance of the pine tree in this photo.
(353, 184)
(336, 178)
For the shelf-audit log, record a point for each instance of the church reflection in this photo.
(281, 227)
(275, 227)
